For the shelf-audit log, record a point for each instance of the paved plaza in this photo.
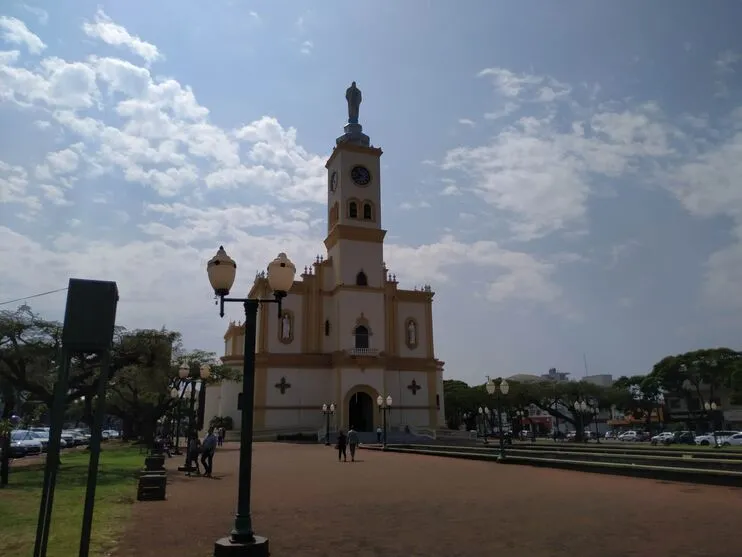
(399, 505)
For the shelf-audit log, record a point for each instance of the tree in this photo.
(460, 399)
(558, 398)
(139, 391)
(644, 396)
(141, 373)
(713, 368)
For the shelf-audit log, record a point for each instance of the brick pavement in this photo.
(398, 505)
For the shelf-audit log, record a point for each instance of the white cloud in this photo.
(14, 185)
(118, 120)
(41, 15)
(104, 29)
(306, 47)
(541, 174)
(517, 276)
(14, 31)
(467, 122)
(513, 85)
(64, 161)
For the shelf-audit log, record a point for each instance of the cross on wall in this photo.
(283, 385)
(414, 387)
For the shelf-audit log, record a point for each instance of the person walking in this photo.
(341, 446)
(220, 437)
(352, 443)
(378, 434)
(193, 447)
(207, 452)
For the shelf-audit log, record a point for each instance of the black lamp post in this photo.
(190, 382)
(596, 412)
(328, 410)
(222, 269)
(713, 407)
(580, 409)
(177, 393)
(688, 388)
(385, 407)
(493, 389)
(484, 414)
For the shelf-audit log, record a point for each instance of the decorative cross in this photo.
(283, 385)
(414, 387)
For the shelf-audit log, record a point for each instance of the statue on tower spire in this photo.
(354, 98)
(353, 130)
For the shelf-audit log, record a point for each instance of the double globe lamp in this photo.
(222, 271)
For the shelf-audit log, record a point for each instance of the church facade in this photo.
(348, 333)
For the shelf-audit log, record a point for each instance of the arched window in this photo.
(367, 211)
(361, 279)
(353, 210)
(327, 327)
(361, 334)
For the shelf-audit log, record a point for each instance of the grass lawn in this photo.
(115, 494)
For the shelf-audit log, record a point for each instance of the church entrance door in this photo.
(361, 412)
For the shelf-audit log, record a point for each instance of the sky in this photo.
(566, 176)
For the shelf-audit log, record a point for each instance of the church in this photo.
(347, 333)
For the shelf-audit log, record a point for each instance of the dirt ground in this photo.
(401, 505)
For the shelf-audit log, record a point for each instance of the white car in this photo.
(661, 438)
(42, 433)
(629, 436)
(733, 440)
(24, 443)
(715, 438)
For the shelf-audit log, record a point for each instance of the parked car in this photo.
(681, 438)
(24, 443)
(716, 438)
(629, 436)
(660, 438)
(610, 435)
(733, 440)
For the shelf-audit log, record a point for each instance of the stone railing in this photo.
(370, 352)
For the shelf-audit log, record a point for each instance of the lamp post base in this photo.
(258, 547)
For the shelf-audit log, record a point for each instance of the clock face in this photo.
(360, 175)
(333, 180)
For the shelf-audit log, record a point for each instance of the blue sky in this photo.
(566, 176)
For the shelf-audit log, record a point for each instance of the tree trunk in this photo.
(5, 461)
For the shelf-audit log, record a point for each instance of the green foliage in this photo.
(555, 398)
(717, 368)
(222, 421)
(143, 371)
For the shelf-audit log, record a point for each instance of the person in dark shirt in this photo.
(341, 446)
(207, 452)
(193, 448)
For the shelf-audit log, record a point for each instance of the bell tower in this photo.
(355, 239)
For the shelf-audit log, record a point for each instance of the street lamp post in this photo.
(492, 389)
(484, 414)
(713, 407)
(222, 269)
(596, 412)
(328, 410)
(580, 409)
(184, 373)
(688, 388)
(385, 407)
(177, 393)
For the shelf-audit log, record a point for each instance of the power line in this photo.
(34, 296)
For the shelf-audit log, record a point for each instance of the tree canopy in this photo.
(143, 370)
